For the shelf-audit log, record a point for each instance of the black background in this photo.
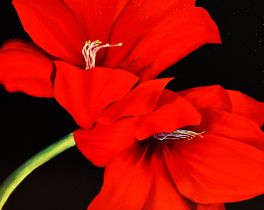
(69, 181)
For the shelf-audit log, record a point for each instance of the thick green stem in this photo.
(10, 184)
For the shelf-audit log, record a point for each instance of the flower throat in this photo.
(90, 49)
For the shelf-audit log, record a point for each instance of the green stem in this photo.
(10, 184)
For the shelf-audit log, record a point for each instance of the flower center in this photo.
(91, 48)
(178, 134)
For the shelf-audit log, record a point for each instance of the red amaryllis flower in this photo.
(195, 149)
(155, 35)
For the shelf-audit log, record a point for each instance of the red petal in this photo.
(126, 183)
(143, 99)
(53, 27)
(210, 207)
(96, 16)
(163, 194)
(85, 94)
(101, 143)
(244, 105)
(168, 118)
(168, 96)
(233, 126)
(216, 169)
(209, 97)
(24, 68)
(156, 34)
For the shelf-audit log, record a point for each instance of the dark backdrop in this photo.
(69, 181)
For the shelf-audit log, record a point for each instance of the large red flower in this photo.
(155, 35)
(165, 150)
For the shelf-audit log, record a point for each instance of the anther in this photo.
(178, 134)
(91, 48)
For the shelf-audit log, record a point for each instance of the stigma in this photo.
(90, 49)
(177, 135)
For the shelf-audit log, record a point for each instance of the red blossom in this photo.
(215, 155)
(155, 35)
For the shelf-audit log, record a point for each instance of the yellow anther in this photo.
(88, 42)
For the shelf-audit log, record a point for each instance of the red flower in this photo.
(155, 35)
(165, 150)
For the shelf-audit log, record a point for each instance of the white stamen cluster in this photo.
(91, 48)
(178, 134)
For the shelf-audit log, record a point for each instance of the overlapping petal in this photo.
(141, 100)
(52, 25)
(156, 34)
(138, 179)
(216, 169)
(232, 126)
(127, 182)
(84, 94)
(101, 143)
(96, 16)
(163, 193)
(247, 106)
(25, 68)
(168, 118)
(208, 97)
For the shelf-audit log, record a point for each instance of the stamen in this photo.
(178, 134)
(91, 48)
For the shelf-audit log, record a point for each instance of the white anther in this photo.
(178, 134)
(91, 48)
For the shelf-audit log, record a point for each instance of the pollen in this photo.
(90, 49)
(177, 135)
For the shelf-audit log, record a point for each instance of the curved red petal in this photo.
(216, 169)
(101, 143)
(143, 99)
(84, 94)
(163, 193)
(53, 27)
(23, 68)
(157, 34)
(233, 126)
(167, 96)
(168, 118)
(247, 106)
(96, 16)
(210, 207)
(208, 97)
(127, 182)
